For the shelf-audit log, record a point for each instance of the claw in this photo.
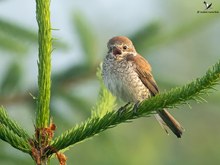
(122, 109)
(135, 108)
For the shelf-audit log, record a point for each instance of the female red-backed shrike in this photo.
(128, 76)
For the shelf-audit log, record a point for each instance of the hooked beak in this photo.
(116, 51)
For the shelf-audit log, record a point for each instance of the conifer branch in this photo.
(175, 97)
(14, 140)
(44, 63)
(12, 125)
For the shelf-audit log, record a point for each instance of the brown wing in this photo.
(144, 71)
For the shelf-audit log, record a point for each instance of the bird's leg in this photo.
(135, 108)
(122, 109)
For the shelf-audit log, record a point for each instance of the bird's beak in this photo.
(116, 51)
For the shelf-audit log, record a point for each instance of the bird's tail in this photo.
(167, 120)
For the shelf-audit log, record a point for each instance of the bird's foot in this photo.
(122, 109)
(135, 108)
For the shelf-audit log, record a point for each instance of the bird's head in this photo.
(119, 47)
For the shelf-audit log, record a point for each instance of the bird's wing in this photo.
(143, 70)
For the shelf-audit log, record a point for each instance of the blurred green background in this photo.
(179, 43)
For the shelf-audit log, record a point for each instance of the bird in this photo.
(127, 75)
(207, 5)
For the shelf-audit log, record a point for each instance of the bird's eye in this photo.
(125, 47)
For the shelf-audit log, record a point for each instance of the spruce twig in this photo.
(175, 97)
(12, 125)
(44, 63)
(13, 139)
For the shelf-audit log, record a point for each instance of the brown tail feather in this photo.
(169, 121)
